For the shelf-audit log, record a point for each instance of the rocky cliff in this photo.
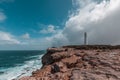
(90, 62)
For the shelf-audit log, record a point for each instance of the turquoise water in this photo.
(14, 64)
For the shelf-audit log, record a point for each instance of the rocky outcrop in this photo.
(95, 62)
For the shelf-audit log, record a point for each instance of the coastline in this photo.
(17, 64)
(92, 62)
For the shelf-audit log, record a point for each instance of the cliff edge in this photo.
(87, 62)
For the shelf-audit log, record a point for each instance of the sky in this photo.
(39, 24)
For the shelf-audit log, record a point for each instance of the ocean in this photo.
(15, 64)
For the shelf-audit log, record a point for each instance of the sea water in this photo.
(15, 64)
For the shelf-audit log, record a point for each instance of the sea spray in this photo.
(25, 69)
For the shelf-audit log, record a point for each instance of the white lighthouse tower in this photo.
(85, 38)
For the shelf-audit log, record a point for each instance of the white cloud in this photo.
(7, 38)
(26, 36)
(57, 40)
(11, 42)
(2, 16)
(49, 29)
(100, 20)
(30, 44)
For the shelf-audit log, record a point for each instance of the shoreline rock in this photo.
(87, 62)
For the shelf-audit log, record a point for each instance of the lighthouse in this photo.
(85, 38)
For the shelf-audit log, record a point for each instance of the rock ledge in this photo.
(90, 62)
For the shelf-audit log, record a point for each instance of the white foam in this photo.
(24, 70)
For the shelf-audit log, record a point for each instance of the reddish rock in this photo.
(44, 72)
(70, 62)
(87, 62)
(59, 67)
(28, 78)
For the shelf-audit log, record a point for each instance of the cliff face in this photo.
(79, 63)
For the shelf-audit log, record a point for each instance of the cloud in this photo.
(99, 19)
(2, 16)
(26, 36)
(7, 38)
(58, 39)
(11, 42)
(50, 29)
(28, 44)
